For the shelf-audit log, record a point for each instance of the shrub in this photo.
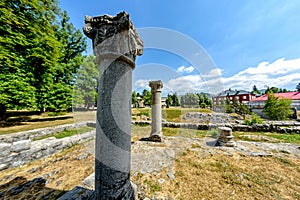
(255, 119)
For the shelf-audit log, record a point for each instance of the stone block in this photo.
(89, 182)
(55, 143)
(37, 155)
(21, 145)
(5, 149)
(48, 151)
(9, 158)
(36, 148)
(17, 163)
(4, 166)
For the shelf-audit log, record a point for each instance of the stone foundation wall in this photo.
(16, 149)
(36, 133)
(280, 127)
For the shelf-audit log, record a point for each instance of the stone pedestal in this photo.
(116, 44)
(156, 115)
(225, 137)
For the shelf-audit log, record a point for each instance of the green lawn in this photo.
(67, 133)
(144, 131)
(279, 137)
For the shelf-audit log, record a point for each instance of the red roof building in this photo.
(241, 95)
(259, 102)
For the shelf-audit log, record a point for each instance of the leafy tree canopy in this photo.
(277, 109)
(40, 51)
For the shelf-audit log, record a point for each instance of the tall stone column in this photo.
(156, 115)
(116, 44)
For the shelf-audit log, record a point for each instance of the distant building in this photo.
(163, 102)
(242, 96)
(140, 102)
(259, 102)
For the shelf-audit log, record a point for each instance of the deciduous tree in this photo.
(277, 109)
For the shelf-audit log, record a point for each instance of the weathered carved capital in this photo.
(156, 86)
(113, 37)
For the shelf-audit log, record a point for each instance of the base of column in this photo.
(86, 191)
(153, 138)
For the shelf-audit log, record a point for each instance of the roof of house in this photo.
(232, 93)
(286, 95)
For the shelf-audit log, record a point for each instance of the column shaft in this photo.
(116, 45)
(156, 114)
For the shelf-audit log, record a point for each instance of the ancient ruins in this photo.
(156, 114)
(116, 44)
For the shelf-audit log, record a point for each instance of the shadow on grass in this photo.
(21, 188)
(20, 120)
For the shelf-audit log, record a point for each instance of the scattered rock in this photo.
(171, 175)
(58, 183)
(32, 170)
(260, 154)
(89, 181)
(161, 181)
(82, 156)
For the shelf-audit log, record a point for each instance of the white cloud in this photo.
(141, 83)
(280, 66)
(183, 69)
(194, 83)
(189, 69)
(281, 73)
(216, 72)
(180, 69)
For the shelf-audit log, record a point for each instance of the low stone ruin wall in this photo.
(198, 117)
(40, 132)
(15, 150)
(280, 127)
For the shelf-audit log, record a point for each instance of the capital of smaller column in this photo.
(156, 86)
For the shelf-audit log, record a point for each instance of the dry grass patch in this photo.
(223, 177)
(139, 132)
(63, 171)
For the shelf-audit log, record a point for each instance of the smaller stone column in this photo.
(156, 127)
(225, 137)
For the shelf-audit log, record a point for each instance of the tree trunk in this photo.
(2, 112)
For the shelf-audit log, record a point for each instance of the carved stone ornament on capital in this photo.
(116, 44)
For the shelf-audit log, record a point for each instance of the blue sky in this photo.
(250, 42)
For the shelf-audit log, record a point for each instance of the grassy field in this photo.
(267, 137)
(170, 114)
(144, 131)
(197, 175)
(221, 177)
(25, 122)
(67, 133)
(22, 121)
